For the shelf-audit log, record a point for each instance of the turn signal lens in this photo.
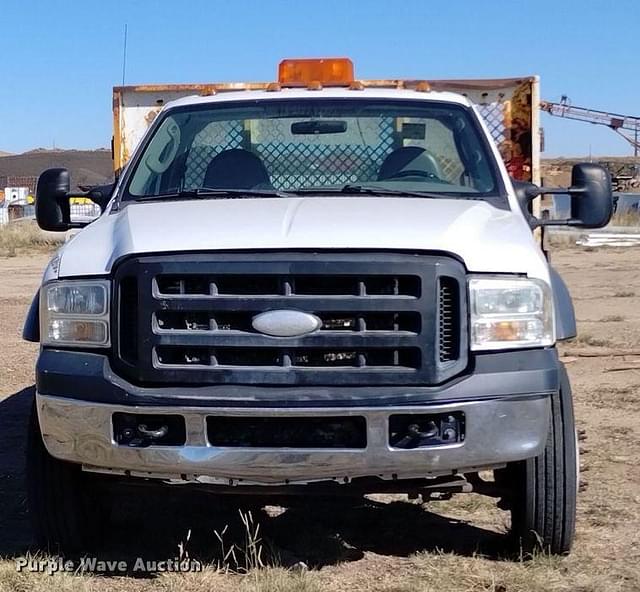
(71, 331)
(507, 331)
(324, 71)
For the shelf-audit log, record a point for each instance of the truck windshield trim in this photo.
(288, 147)
(350, 190)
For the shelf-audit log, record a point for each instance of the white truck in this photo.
(318, 285)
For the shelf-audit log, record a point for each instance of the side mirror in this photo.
(53, 211)
(590, 193)
(593, 206)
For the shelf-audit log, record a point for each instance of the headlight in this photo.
(75, 313)
(510, 313)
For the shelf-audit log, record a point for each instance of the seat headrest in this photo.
(407, 158)
(237, 169)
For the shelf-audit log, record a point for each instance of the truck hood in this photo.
(485, 238)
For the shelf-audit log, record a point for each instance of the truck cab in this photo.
(314, 286)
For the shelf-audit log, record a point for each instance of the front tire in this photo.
(544, 488)
(66, 510)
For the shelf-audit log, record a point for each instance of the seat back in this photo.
(237, 169)
(406, 159)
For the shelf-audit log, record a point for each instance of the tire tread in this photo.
(57, 495)
(544, 504)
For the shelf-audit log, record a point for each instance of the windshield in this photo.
(287, 147)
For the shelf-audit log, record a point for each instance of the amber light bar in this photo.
(323, 71)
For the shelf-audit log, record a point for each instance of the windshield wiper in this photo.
(350, 189)
(204, 192)
(379, 191)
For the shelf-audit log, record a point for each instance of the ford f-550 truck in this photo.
(319, 285)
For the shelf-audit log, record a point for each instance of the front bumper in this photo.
(86, 376)
(505, 397)
(498, 431)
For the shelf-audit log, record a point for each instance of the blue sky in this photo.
(59, 59)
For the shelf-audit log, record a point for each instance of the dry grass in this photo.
(241, 558)
(628, 218)
(25, 236)
(423, 572)
(560, 240)
(261, 580)
(588, 339)
(244, 569)
(541, 573)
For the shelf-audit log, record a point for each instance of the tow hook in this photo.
(141, 436)
(142, 430)
(415, 435)
(410, 431)
(161, 432)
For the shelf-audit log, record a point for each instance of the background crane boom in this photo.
(625, 125)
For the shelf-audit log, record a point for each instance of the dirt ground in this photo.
(390, 543)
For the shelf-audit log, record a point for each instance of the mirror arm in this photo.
(533, 193)
(563, 190)
(96, 196)
(569, 222)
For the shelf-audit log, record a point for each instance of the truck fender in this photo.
(565, 313)
(31, 329)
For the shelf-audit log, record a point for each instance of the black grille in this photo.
(283, 432)
(276, 285)
(128, 307)
(395, 358)
(241, 321)
(386, 318)
(448, 319)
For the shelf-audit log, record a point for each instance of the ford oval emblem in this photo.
(286, 323)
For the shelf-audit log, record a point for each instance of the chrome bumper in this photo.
(497, 431)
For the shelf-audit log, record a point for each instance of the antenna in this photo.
(124, 55)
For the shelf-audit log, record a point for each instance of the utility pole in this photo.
(124, 55)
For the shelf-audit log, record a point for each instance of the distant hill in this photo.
(87, 167)
(5, 154)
